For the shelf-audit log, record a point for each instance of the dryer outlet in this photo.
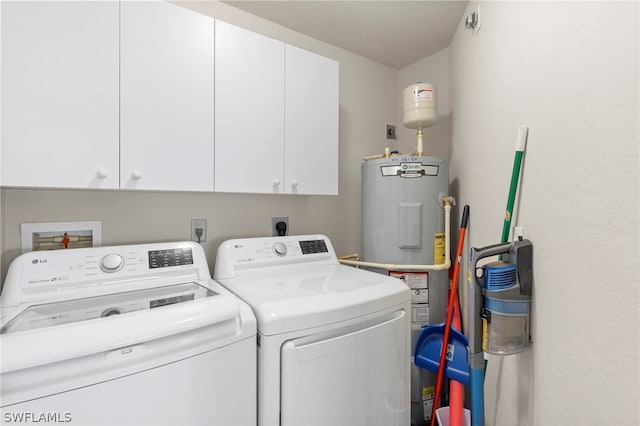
(280, 226)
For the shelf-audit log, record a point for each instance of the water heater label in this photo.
(418, 282)
(428, 395)
(439, 255)
(420, 295)
(415, 280)
(409, 170)
(420, 313)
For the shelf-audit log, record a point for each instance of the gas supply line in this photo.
(448, 201)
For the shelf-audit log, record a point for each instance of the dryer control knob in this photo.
(111, 263)
(280, 249)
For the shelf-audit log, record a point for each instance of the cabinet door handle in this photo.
(294, 183)
(102, 174)
(136, 175)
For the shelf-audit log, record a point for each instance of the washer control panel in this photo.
(46, 271)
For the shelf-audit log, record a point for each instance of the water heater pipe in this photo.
(387, 154)
(447, 200)
(419, 148)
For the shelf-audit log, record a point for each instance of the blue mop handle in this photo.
(477, 395)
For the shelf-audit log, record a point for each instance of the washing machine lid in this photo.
(307, 296)
(87, 308)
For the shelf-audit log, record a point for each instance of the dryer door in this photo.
(350, 377)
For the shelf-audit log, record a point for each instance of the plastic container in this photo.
(442, 415)
(505, 333)
(419, 102)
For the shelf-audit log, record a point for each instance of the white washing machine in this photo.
(136, 334)
(333, 341)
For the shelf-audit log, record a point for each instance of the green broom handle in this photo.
(515, 176)
(513, 188)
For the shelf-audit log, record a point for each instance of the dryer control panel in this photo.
(237, 256)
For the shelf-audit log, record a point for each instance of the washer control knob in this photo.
(111, 263)
(280, 249)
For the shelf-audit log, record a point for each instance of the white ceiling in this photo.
(396, 33)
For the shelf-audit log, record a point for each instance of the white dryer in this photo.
(333, 341)
(136, 334)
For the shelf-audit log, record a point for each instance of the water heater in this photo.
(403, 223)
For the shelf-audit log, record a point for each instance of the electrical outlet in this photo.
(518, 232)
(276, 222)
(199, 224)
(391, 131)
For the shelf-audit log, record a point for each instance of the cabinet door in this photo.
(311, 117)
(167, 98)
(60, 94)
(249, 73)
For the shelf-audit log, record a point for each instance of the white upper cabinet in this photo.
(311, 123)
(166, 98)
(60, 94)
(249, 130)
(276, 116)
(149, 95)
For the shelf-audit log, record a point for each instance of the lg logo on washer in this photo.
(36, 261)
